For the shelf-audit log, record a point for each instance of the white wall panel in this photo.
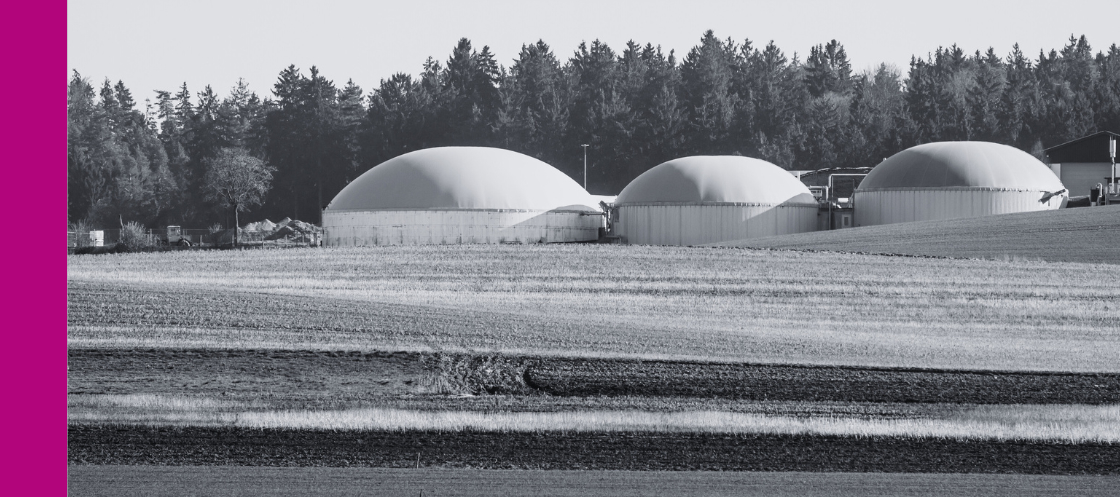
(696, 224)
(906, 205)
(362, 228)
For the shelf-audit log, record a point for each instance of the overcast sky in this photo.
(159, 44)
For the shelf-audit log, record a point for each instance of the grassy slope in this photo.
(1070, 235)
(586, 300)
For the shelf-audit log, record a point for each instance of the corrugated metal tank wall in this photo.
(416, 227)
(889, 206)
(950, 180)
(696, 224)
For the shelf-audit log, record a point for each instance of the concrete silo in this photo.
(947, 180)
(451, 195)
(708, 199)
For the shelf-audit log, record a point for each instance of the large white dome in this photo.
(962, 165)
(455, 178)
(709, 199)
(716, 180)
(948, 180)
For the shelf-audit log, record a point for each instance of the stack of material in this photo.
(265, 226)
(287, 229)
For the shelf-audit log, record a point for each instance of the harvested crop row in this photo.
(1067, 424)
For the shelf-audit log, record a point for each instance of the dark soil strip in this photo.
(626, 451)
(358, 376)
(819, 383)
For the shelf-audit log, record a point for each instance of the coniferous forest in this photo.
(144, 159)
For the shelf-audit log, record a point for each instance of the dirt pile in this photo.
(286, 229)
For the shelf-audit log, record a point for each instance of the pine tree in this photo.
(1017, 104)
(778, 97)
(351, 121)
(707, 75)
(827, 70)
(1107, 90)
(536, 97)
(600, 118)
(470, 82)
(985, 95)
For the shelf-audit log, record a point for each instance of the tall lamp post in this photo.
(584, 165)
(1112, 154)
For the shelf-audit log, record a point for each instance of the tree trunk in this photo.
(236, 223)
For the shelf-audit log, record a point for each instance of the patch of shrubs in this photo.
(133, 237)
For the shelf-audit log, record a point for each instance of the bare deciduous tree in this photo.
(235, 179)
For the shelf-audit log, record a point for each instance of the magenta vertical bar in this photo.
(33, 359)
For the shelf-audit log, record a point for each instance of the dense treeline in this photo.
(636, 108)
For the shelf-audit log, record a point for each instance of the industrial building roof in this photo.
(715, 179)
(451, 178)
(1092, 148)
(962, 165)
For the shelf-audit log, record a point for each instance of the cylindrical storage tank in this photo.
(948, 180)
(710, 199)
(452, 195)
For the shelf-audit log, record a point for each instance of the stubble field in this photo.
(608, 301)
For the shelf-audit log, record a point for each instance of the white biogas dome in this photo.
(461, 195)
(947, 180)
(708, 199)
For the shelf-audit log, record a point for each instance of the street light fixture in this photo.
(584, 165)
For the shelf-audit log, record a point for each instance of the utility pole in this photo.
(1112, 153)
(585, 165)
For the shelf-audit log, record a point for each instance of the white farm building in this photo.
(948, 180)
(452, 195)
(708, 199)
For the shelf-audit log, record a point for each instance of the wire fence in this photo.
(194, 238)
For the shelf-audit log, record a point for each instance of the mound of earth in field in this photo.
(1067, 235)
